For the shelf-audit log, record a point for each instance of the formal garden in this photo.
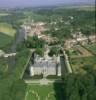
(37, 92)
(44, 92)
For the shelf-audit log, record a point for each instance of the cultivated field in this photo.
(3, 67)
(7, 34)
(92, 48)
(7, 29)
(4, 14)
(79, 51)
(80, 64)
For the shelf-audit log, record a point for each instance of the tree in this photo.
(39, 51)
(80, 87)
(86, 31)
(53, 51)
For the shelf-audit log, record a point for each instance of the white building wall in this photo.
(32, 71)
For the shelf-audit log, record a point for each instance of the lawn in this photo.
(39, 92)
(44, 92)
(22, 59)
(12, 87)
(3, 67)
(78, 64)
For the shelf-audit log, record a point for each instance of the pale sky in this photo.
(14, 3)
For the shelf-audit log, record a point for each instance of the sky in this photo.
(24, 3)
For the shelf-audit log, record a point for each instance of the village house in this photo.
(34, 29)
(79, 38)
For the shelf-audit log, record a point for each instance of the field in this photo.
(5, 41)
(7, 34)
(46, 92)
(82, 8)
(7, 29)
(82, 58)
(4, 14)
(92, 48)
(79, 51)
(80, 64)
(87, 8)
(73, 52)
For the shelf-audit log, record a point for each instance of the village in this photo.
(48, 53)
(74, 47)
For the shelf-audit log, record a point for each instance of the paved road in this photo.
(43, 81)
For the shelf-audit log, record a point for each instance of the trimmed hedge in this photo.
(53, 77)
(21, 60)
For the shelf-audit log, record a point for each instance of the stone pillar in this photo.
(59, 70)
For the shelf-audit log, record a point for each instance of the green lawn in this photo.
(78, 64)
(36, 91)
(3, 67)
(22, 59)
(12, 87)
(44, 92)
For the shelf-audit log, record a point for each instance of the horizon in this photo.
(37, 3)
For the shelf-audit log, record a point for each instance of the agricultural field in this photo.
(73, 52)
(4, 14)
(5, 41)
(7, 29)
(80, 64)
(7, 34)
(40, 92)
(92, 48)
(78, 51)
(86, 8)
